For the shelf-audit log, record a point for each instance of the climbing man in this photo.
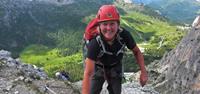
(105, 47)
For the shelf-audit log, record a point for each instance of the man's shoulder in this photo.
(123, 32)
(93, 43)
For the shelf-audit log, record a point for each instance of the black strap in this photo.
(101, 65)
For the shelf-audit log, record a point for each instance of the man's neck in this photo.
(111, 41)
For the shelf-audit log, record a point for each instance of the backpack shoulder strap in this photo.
(102, 47)
(121, 41)
(120, 37)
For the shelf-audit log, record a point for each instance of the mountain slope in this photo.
(49, 35)
(182, 11)
(24, 22)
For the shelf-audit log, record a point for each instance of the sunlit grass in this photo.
(51, 61)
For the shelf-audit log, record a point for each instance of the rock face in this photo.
(180, 68)
(19, 78)
(196, 22)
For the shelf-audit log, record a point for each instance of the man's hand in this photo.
(140, 60)
(143, 78)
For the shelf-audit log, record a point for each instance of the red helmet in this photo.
(107, 13)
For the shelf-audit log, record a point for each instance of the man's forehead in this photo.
(108, 22)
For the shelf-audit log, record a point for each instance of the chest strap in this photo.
(103, 49)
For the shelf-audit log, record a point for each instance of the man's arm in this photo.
(89, 69)
(140, 60)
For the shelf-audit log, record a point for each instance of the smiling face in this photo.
(109, 29)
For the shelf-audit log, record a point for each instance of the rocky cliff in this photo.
(19, 78)
(179, 69)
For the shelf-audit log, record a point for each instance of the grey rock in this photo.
(19, 78)
(4, 54)
(179, 69)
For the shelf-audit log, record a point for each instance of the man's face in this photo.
(109, 29)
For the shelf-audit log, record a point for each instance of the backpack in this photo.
(91, 30)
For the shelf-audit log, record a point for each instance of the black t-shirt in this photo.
(94, 48)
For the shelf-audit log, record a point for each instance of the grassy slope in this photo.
(52, 61)
(144, 28)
